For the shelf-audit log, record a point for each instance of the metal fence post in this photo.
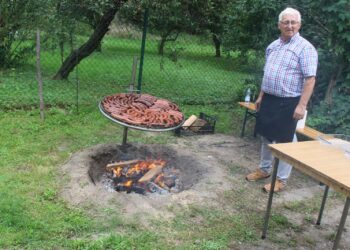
(144, 32)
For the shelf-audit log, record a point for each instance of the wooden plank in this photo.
(250, 105)
(189, 121)
(151, 173)
(311, 133)
(110, 166)
(197, 125)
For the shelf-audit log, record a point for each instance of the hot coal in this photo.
(179, 173)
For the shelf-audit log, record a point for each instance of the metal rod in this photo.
(77, 81)
(325, 194)
(143, 44)
(244, 122)
(269, 203)
(133, 75)
(125, 136)
(342, 223)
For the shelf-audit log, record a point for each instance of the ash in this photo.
(184, 170)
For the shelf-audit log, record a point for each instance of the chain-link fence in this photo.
(186, 72)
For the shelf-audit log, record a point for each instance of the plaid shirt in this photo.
(287, 65)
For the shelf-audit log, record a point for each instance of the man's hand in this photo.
(299, 112)
(258, 101)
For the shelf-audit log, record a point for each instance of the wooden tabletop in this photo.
(249, 105)
(324, 162)
(310, 133)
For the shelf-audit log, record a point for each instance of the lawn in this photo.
(34, 216)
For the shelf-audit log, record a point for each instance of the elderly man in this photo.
(288, 82)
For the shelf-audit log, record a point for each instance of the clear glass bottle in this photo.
(247, 96)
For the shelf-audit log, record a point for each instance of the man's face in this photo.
(289, 26)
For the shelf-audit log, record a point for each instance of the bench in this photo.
(250, 111)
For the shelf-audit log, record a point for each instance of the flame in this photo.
(159, 180)
(131, 173)
(128, 183)
(118, 171)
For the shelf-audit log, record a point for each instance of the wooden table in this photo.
(325, 162)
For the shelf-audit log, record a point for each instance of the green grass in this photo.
(193, 77)
(33, 216)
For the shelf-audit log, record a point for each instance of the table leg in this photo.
(342, 223)
(244, 122)
(269, 203)
(325, 194)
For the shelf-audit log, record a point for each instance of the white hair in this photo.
(289, 11)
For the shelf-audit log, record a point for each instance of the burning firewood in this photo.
(151, 173)
(110, 166)
(140, 176)
(154, 188)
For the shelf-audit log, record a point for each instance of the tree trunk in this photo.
(90, 46)
(99, 47)
(161, 46)
(332, 82)
(164, 39)
(217, 44)
(61, 46)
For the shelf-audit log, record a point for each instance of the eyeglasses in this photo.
(292, 23)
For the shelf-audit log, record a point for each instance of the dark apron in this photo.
(275, 118)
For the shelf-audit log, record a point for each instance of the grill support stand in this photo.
(125, 136)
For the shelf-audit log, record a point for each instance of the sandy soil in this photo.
(220, 163)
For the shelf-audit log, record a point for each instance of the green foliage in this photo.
(252, 25)
(18, 22)
(195, 79)
(168, 19)
(327, 25)
(333, 119)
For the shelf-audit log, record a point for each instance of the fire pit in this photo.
(141, 176)
(143, 169)
(200, 164)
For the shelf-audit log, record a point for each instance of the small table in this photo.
(321, 161)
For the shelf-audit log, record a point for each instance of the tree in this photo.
(166, 18)
(170, 18)
(250, 25)
(328, 25)
(208, 17)
(253, 25)
(18, 22)
(87, 12)
(108, 10)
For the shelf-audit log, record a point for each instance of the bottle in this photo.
(247, 96)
